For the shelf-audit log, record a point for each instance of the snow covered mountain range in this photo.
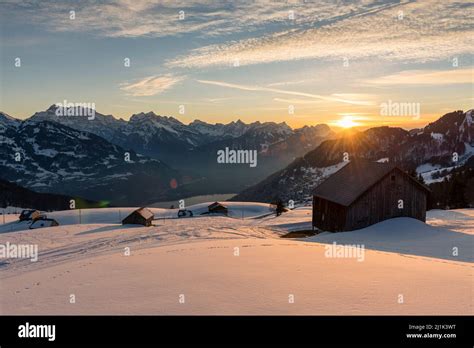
(151, 158)
(168, 139)
(189, 149)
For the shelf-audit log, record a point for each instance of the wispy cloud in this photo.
(131, 18)
(417, 32)
(217, 100)
(150, 85)
(297, 101)
(288, 83)
(281, 91)
(424, 77)
(356, 96)
(282, 31)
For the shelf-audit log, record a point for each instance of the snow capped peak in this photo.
(437, 136)
(91, 121)
(199, 122)
(7, 118)
(466, 128)
(271, 127)
(155, 119)
(4, 115)
(468, 118)
(52, 108)
(238, 128)
(319, 129)
(208, 129)
(144, 115)
(6, 121)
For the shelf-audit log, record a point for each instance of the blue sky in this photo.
(251, 60)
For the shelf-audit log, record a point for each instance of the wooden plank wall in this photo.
(381, 202)
(328, 216)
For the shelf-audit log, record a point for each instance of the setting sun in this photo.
(347, 122)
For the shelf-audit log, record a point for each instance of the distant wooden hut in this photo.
(363, 193)
(30, 214)
(185, 213)
(142, 216)
(217, 208)
(43, 222)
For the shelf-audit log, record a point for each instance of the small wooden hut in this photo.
(43, 222)
(217, 208)
(30, 214)
(142, 216)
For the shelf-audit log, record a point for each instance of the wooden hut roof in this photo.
(43, 222)
(215, 205)
(28, 212)
(146, 213)
(355, 178)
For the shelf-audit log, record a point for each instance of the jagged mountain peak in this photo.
(7, 123)
(317, 130)
(158, 120)
(6, 116)
(7, 120)
(69, 109)
(384, 131)
(453, 126)
(199, 122)
(280, 128)
(52, 108)
(64, 116)
(83, 119)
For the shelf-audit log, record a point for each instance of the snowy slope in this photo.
(196, 257)
(259, 281)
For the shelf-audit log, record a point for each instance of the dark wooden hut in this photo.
(185, 213)
(30, 214)
(43, 222)
(217, 208)
(142, 216)
(363, 193)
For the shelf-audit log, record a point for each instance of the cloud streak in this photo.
(425, 77)
(151, 85)
(281, 91)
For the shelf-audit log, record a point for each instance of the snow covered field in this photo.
(238, 265)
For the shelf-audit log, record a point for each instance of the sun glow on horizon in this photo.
(347, 122)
